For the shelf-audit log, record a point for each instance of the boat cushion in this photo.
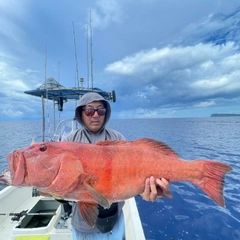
(35, 237)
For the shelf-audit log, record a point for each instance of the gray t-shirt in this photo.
(85, 136)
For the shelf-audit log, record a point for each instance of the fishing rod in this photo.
(17, 216)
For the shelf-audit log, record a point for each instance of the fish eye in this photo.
(43, 148)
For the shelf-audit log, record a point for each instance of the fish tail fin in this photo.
(212, 181)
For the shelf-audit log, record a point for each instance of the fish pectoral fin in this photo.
(89, 212)
(101, 200)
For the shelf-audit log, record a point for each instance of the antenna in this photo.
(43, 105)
(87, 58)
(59, 71)
(45, 64)
(91, 48)
(76, 59)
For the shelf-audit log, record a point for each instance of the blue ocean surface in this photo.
(190, 214)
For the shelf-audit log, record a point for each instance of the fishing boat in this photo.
(24, 215)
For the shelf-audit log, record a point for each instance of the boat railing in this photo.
(64, 128)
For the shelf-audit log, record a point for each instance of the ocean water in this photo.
(190, 214)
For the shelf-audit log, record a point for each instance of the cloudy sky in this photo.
(164, 58)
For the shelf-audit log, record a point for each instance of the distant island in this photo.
(225, 115)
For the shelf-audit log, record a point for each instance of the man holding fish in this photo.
(93, 113)
(100, 176)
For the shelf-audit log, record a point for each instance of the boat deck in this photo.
(15, 200)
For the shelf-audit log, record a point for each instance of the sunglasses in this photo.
(91, 111)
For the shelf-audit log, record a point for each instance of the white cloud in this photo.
(12, 14)
(106, 12)
(11, 113)
(205, 104)
(211, 83)
(222, 83)
(180, 76)
(161, 61)
(13, 78)
(13, 82)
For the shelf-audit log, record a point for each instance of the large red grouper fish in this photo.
(107, 172)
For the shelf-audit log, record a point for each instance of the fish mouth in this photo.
(16, 173)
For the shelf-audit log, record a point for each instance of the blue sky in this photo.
(164, 58)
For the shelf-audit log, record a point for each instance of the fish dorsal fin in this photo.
(156, 146)
(145, 143)
(112, 142)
